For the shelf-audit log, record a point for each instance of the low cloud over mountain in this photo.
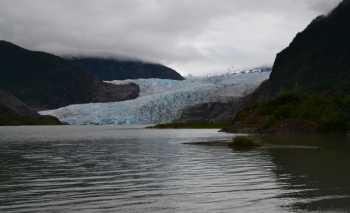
(194, 36)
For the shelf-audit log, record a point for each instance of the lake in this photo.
(94, 169)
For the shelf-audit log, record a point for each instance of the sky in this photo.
(196, 37)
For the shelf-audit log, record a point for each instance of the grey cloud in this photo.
(194, 36)
(323, 7)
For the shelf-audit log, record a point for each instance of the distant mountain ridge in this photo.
(119, 69)
(45, 81)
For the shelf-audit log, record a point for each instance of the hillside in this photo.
(118, 69)
(317, 60)
(309, 87)
(46, 81)
(15, 112)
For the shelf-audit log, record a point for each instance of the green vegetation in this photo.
(296, 111)
(14, 120)
(245, 142)
(190, 126)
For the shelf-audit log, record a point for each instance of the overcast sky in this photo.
(193, 36)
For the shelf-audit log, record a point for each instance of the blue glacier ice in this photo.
(162, 101)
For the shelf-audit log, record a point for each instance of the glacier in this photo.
(162, 101)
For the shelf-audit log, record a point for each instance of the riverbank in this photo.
(294, 113)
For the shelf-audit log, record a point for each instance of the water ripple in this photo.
(125, 174)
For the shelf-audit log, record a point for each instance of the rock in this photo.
(213, 112)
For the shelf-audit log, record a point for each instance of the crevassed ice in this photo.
(162, 101)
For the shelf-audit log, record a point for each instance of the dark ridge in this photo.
(118, 69)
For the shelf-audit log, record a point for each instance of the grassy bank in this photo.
(296, 112)
(191, 126)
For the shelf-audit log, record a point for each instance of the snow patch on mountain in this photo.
(163, 100)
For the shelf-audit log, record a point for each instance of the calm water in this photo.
(108, 169)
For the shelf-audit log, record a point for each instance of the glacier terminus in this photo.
(162, 101)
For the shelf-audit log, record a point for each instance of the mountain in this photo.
(15, 112)
(118, 69)
(309, 87)
(46, 81)
(318, 59)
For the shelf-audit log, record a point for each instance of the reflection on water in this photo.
(108, 169)
(314, 179)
